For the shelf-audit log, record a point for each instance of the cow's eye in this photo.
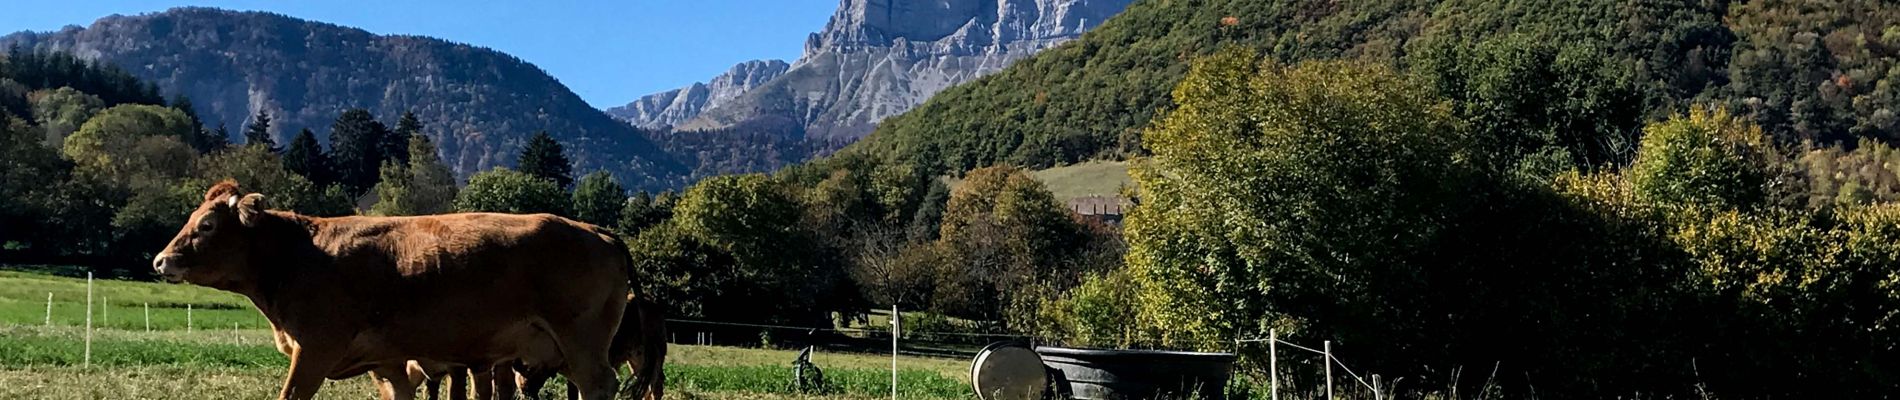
(204, 226)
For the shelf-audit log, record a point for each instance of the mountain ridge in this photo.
(479, 105)
(878, 58)
(665, 109)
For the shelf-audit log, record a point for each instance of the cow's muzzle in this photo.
(169, 267)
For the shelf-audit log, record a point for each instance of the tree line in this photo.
(99, 169)
(1351, 202)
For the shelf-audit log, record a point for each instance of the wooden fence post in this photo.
(88, 360)
(895, 332)
(1329, 370)
(1273, 364)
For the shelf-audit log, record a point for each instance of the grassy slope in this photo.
(38, 362)
(1094, 178)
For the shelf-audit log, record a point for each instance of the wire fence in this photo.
(1370, 382)
(1328, 358)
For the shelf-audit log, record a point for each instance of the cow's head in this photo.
(212, 248)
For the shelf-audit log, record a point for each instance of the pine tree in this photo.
(306, 157)
(258, 131)
(183, 103)
(396, 145)
(218, 139)
(544, 158)
(356, 148)
(198, 137)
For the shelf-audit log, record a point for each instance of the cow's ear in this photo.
(250, 208)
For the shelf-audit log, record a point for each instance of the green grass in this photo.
(122, 304)
(1093, 178)
(171, 362)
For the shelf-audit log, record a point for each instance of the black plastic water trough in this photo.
(1094, 374)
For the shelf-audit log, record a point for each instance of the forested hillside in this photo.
(98, 170)
(1803, 70)
(478, 104)
(1593, 199)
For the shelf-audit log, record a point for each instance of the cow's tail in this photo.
(649, 379)
(650, 375)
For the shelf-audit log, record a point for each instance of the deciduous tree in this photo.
(507, 191)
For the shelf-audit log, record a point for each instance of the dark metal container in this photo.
(1095, 374)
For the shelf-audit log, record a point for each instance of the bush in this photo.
(506, 191)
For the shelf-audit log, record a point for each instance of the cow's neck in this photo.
(283, 253)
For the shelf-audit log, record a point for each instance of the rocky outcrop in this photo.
(479, 105)
(878, 58)
(665, 109)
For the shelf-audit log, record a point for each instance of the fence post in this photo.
(49, 309)
(105, 311)
(234, 334)
(148, 317)
(1273, 364)
(1376, 395)
(1329, 370)
(895, 326)
(88, 360)
(187, 318)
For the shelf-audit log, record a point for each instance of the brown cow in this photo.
(640, 342)
(351, 294)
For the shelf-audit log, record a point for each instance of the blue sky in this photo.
(609, 52)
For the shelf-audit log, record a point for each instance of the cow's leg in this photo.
(532, 380)
(504, 380)
(393, 383)
(308, 367)
(483, 380)
(458, 383)
(594, 379)
(587, 367)
(655, 379)
(585, 342)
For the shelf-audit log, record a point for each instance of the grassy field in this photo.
(1094, 178)
(173, 362)
(121, 304)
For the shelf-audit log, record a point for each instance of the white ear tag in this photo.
(232, 201)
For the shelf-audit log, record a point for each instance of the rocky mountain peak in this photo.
(872, 24)
(672, 107)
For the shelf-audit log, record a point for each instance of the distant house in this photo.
(1107, 209)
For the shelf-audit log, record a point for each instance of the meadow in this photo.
(1084, 179)
(1092, 178)
(206, 357)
